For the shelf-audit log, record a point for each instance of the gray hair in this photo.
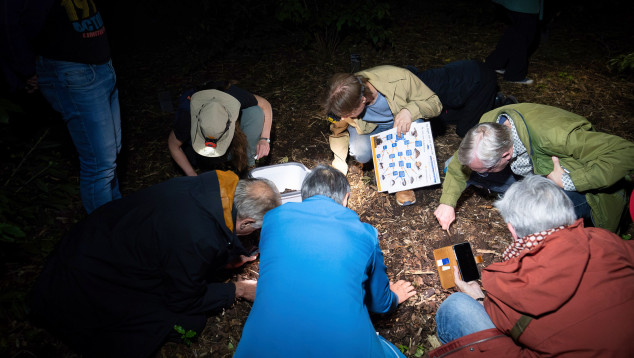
(488, 141)
(254, 197)
(327, 181)
(536, 204)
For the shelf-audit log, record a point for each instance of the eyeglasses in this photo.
(485, 172)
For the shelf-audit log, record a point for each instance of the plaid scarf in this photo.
(527, 242)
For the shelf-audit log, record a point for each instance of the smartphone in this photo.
(466, 262)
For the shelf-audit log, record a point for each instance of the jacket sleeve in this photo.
(379, 296)
(420, 101)
(596, 160)
(455, 182)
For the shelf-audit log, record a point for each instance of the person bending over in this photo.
(321, 274)
(526, 138)
(205, 130)
(120, 281)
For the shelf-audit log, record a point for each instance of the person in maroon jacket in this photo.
(561, 290)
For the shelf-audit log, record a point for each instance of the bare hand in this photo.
(445, 215)
(241, 261)
(262, 149)
(246, 289)
(403, 289)
(31, 84)
(471, 288)
(402, 122)
(557, 173)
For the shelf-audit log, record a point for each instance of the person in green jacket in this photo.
(522, 139)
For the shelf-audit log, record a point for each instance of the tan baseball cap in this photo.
(213, 115)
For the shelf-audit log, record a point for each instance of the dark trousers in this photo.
(479, 102)
(501, 181)
(466, 89)
(515, 47)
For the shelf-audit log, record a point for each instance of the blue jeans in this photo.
(360, 145)
(87, 98)
(460, 315)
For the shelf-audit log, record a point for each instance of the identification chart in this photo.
(405, 162)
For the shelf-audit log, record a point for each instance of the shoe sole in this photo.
(522, 82)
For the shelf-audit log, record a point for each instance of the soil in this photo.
(569, 69)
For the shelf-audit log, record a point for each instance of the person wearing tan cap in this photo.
(205, 131)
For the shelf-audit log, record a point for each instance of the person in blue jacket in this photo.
(321, 274)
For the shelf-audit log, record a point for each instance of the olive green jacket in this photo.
(596, 161)
(402, 89)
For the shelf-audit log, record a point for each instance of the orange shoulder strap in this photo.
(227, 181)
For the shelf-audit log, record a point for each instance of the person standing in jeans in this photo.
(61, 48)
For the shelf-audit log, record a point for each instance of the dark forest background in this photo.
(284, 50)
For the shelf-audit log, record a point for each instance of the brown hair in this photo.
(344, 93)
(238, 149)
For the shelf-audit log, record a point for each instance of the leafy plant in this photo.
(419, 351)
(566, 76)
(403, 348)
(186, 336)
(622, 63)
(6, 107)
(328, 21)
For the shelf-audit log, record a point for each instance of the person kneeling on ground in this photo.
(321, 273)
(205, 130)
(527, 138)
(120, 281)
(561, 290)
(385, 97)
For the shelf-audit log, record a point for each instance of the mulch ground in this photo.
(570, 72)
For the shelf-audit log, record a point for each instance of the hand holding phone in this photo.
(466, 262)
(471, 288)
